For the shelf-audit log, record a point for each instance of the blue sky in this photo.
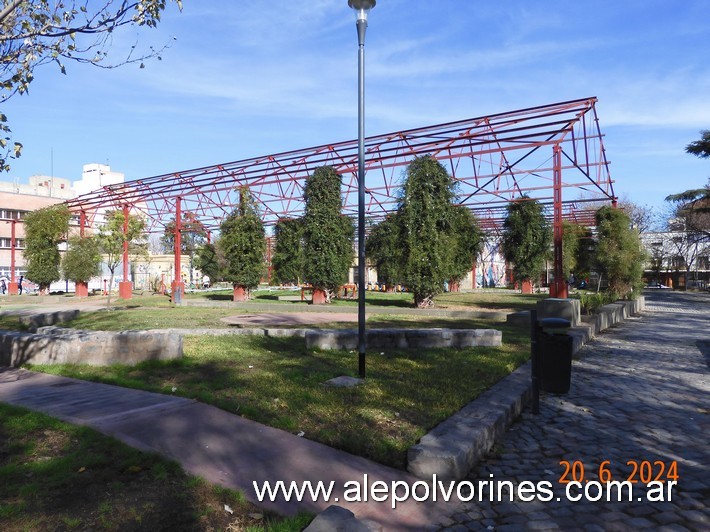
(244, 79)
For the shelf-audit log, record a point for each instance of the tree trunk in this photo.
(108, 291)
(424, 301)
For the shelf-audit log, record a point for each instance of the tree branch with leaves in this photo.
(34, 33)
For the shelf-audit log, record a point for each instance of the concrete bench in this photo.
(403, 338)
(55, 345)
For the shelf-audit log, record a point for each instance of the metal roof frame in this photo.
(495, 159)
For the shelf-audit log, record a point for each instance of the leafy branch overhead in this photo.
(40, 32)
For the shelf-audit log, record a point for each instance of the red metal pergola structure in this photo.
(536, 152)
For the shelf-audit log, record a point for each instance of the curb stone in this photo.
(454, 447)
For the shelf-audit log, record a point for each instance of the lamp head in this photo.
(362, 8)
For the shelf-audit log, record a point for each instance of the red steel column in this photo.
(125, 287)
(178, 287)
(81, 288)
(12, 285)
(559, 284)
(82, 222)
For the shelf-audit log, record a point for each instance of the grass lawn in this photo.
(501, 299)
(277, 381)
(55, 476)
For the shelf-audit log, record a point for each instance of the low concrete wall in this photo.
(54, 345)
(403, 338)
(553, 307)
(34, 321)
(455, 446)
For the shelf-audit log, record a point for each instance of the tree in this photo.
(192, 235)
(210, 261)
(82, 259)
(243, 242)
(384, 249)
(701, 147)
(526, 239)
(620, 256)
(643, 217)
(429, 230)
(45, 229)
(327, 234)
(571, 235)
(466, 242)
(111, 238)
(289, 258)
(39, 32)
(693, 206)
(691, 210)
(658, 258)
(584, 262)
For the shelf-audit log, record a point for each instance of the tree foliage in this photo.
(691, 211)
(429, 240)
(701, 147)
(211, 262)
(192, 235)
(465, 242)
(328, 235)
(619, 254)
(384, 249)
(45, 229)
(578, 250)
(39, 32)
(438, 241)
(288, 260)
(82, 259)
(243, 242)
(526, 239)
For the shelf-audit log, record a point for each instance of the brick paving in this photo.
(640, 392)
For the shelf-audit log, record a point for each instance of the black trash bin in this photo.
(555, 348)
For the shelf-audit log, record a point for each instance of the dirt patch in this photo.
(289, 319)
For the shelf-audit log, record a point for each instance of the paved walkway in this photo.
(640, 391)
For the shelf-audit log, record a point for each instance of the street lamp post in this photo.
(361, 8)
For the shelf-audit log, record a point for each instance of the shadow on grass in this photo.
(281, 383)
(57, 476)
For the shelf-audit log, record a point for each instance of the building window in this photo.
(11, 214)
(6, 243)
(704, 262)
(678, 263)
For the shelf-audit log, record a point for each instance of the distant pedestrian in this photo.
(3, 286)
(19, 286)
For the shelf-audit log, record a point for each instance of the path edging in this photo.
(454, 447)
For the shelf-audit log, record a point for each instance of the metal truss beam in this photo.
(494, 159)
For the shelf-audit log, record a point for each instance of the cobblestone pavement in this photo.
(640, 396)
